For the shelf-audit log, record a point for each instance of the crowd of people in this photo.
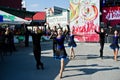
(58, 35)
(6, 41)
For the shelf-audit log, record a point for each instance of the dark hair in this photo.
(115, 30)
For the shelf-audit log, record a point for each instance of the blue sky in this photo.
(40, 5)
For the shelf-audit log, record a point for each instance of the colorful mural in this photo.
(84, 19)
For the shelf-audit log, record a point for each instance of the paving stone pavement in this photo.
(85, 66)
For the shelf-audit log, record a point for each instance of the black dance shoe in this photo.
(42, 67)
(37, 66)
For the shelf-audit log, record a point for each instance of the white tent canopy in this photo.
(11, 19)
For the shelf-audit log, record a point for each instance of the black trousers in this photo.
(54, 46)
(26, 40)
(37, 56)
(8, 48)
(101, 48)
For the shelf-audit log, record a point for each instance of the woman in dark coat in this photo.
(9, 40)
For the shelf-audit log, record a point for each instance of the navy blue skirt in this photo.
(114, 46)
(60, 53)
(72, 44)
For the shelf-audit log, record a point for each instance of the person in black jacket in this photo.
(53, 35)
(9, 42)
(2, 45)
(36, 36)
(26, 36)
(102, 35)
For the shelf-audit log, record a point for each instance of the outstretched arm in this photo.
(51, 36)
(97, 32)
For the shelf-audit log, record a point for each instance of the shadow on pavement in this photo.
(92, 56)
(85, 57)
(21, 65)
(89, 69)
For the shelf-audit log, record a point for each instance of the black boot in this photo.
(42, 67)
(37, 66)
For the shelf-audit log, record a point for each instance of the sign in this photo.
(84, 19)
(61, 18)
(57, 20)
(111, 14)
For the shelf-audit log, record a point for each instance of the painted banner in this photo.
(84, 19)
(112, 15)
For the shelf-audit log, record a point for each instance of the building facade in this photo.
(11, 4)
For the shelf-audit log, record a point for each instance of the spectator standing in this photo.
(26, 36)
(2, 40)
(9, 40)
